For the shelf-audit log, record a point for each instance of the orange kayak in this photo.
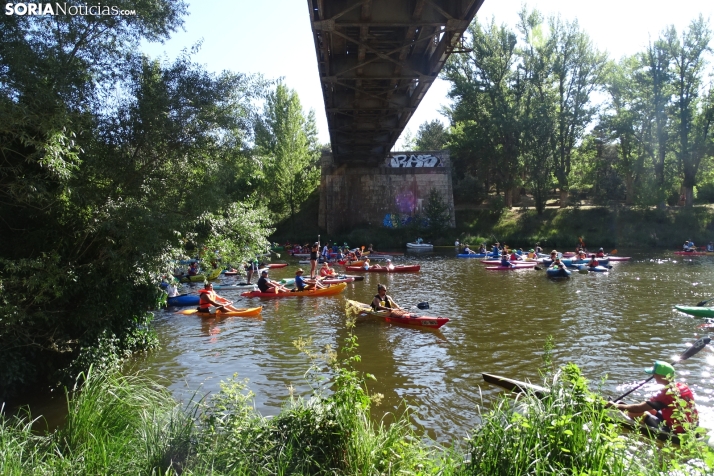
(328, 291)
(246, 312)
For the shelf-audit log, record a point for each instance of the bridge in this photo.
(377, 59)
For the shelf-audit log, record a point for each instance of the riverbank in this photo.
(129, 425)
(556, 228)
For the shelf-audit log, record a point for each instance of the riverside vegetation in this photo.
(128, 425)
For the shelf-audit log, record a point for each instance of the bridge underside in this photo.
(377, 59)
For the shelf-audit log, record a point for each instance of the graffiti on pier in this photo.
(405, 160)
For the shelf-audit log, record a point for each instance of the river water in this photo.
(612, 325)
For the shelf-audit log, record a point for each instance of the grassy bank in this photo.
(128, 425)
(556, 228)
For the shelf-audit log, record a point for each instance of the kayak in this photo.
(386, 253)
(245, 312)
(593, 269)
(691, 253)
(619, 258)
(698, 311)
(397, 269)
(408, 319)
(518, 386)
(328, 291)
(331, 280)
(518, 263)
(420, 246)
(183, 300)
(510, 268)
(472, 255)
(274, 266)
(600, 261)
(244, 286)
(557, 273)
(351, 263)
(197, 278)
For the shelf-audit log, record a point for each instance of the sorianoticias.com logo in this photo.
(64, 9)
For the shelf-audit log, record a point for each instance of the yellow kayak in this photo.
(245, 312)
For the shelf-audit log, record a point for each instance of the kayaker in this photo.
(382, 302)
(265, 285)
(600, 253)
(469, 251)
(482, 248)
(457, 244)
(302, 285)
(710, 246)
(514, 256)
(314, 250)
(593, 262)
(365, 265)
(325, 251)
(537, 249)
(326, 270)
(193, 269)
(389, 265)
(370, 248)
(557, 264)
(505, 259)
(665, 409)
(207, 297)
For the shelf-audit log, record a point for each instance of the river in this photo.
(611, 325)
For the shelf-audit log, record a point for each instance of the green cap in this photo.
(661, 368)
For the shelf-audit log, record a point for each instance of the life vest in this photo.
(690, 413)
(203, 299)
(593, 262)
(384, 303)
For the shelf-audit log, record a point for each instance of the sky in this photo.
(274, 38)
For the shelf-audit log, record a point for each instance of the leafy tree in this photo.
(286, 141)
(110, 162)
(431, 136)
(486, 141)
(693, 117)
(437, 213)
(578, 69)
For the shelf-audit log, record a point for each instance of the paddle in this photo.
(693, 350)
(701, 303)
(613, 252)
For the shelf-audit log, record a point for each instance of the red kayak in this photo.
(275, 265)
(384, 269)
(508, 268)
(408, 319)
(691, 253)
(386, 253)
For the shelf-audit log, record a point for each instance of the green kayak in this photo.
(698, 311)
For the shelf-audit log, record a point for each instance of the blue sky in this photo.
(274, 38)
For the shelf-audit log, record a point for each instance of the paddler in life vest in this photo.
(672, 409)
(468, 251)
(600, 253)
(207, 297)
(593, 262)
(505, 259)
(302, 285)
(365, 265)
(326, 270)
(382, 302)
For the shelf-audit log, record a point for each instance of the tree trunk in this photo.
(629, 190)
(516, 195)
(688, 196)
(563, 198)
(508, 197)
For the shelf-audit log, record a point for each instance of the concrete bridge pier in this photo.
(387, 194)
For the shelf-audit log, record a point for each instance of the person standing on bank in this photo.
(666, 409)
(314, 250)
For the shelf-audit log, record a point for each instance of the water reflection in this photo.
(610, 324)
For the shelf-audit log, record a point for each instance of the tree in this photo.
(693, 117)
(437, 213)
(286, 141)
(487, 115)
(110, 162)
(431, 136)
(578, 70)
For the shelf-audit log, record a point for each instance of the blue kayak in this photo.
(473, 255)
(183, 300)
(594, 269)
(557, 272)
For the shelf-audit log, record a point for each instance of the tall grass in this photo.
(128, 425)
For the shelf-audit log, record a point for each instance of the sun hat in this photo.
(662, 368)
(265, 271)
(299, 270)
(531, 250)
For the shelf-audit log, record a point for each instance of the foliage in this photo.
(431, 136)
(286, 142)
(111, 163)
(437, 213)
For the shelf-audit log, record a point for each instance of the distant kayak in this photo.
(328, 291)
(396, 269)
(593, 269)
(398, 317)
(472, 255)
(692, 253)
(512, 267)
(330, 280)
(518, 263)
(245, 312)
(557, 272)
(420, 246)
(243, 286)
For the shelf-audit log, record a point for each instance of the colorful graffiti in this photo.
(404, 160)
(394, 220)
